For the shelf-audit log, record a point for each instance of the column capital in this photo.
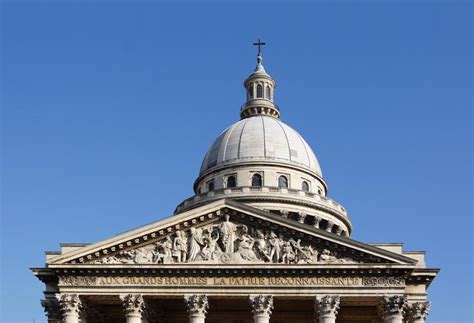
(418, 311)
(261, 304)
(327, 305)
(133, 304)
(394, 306)
(196, 305)
(69, 304)
(52, 309)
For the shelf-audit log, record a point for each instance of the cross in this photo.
(259, 44)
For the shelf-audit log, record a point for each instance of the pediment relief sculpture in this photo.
(228, 242)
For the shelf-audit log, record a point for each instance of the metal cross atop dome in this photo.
(259, 44)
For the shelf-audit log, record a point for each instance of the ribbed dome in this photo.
(260, 138)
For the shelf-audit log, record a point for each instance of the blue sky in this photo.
(109, 107)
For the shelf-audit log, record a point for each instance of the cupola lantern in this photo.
(260, 91)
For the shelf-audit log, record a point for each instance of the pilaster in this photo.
(51, 310)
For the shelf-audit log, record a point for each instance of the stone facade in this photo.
(243, 249)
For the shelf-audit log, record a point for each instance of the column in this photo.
(418, 312)
(301, 217)
(70, 306)
(196, 306)
(393, 309)
(317, 221)
(326, 308)
(52, 310)
(133, 306)
(262, 306)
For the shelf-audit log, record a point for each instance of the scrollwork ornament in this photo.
(394, 305)
(69, 303)
(133, 304)
(261, 304)
(51, 309)
(196, 304)
(418, 311)
(327, 305)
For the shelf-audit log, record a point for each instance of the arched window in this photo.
(251, 92)
(231, 181)
(256, 180)
(210, 186)
(319, 191)
(282, 182)
(259, 91)
(268, 93)
(305, 186)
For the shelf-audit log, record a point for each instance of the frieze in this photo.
(243, 281)
(228, 242)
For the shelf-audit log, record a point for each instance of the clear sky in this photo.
(109, 107)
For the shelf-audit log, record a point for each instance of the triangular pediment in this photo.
(227, 232)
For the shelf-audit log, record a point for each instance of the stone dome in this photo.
(260, 138)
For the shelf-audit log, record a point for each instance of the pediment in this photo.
(227, 233)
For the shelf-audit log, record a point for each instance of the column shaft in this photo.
(197, 318)
(261, 318)
(70, 318)
(393, 319)
(327, 319)
(130, 318)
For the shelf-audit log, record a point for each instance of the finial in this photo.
(259, 43)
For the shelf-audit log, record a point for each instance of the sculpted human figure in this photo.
(246, 246)
(210, 245)
(195, 243)
(180, 246)
(275, 247)
(326, 256)
(167, 250)
(288, 255)
(228, 231)
(261, 245)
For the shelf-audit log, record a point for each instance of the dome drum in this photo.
(270, 173)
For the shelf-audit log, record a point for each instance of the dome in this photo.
(260, 138)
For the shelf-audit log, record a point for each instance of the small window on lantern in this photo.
(282, 182)
(259, 91)
(268, 93)
(251, 92)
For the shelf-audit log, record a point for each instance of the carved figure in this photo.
(166, 247)
(326, 257)
(209, 250)
(275, 247)
(180, 246)
(289, 255)
(195, 243)
(227, 231)
(246, 247)
(261, 245)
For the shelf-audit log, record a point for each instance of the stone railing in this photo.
(248, 191)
